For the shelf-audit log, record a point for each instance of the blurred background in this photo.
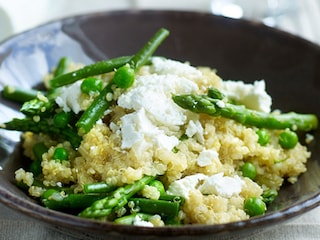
(299, 17)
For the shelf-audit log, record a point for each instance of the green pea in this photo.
(91, 84)
(61, 119)
(288, 139)
(254, 206)
(60, 154)
(263, 137)
(249, 170)
(269, 195)
(124, 76)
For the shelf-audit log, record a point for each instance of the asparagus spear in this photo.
(217, 107)
(117, 199)
(43, 126)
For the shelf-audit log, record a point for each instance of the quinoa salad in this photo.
(151, 141)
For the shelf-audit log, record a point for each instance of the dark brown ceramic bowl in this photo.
(238, 49)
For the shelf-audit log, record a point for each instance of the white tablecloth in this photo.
(303, 21)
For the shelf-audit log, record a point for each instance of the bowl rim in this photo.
(65, 220)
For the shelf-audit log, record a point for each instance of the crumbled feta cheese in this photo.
(206, 157)
(182, 186)
(154, 94)
(168, 66)
(137, 221)
(136, 127)
(68, 97)
(224, 186)
(194, 128)
(253, 96)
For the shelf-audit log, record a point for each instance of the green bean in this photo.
(59, 200)
(166, 209)
(89, 71)
(18, 94)
(38, 150)
(61, 67)
(100, 187)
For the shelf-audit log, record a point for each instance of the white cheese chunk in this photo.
(137, 221)
(207, 157)
(165, 66)
(68, 97)
(253, 96)
(182, 186)
(224, 186)
(194, 128)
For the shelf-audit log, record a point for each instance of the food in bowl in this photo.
(151, 141)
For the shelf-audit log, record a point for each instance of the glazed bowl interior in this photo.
(238, 49)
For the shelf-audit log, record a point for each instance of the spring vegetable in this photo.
(91, 84)
(269, 195)
(18, 94)
(263, 137)
(288, 139)
(217, 107)
(117, 199)
(124, 76)
(60, 154)
(61, 67)
(249, 170)
(100, 187)
(102, 102)
(38, 150)
(41, 105)
(254, 206)
(89, 70)
(59, 200)
(61, 119)
(130, 219)
(30, 124)
(165, 209)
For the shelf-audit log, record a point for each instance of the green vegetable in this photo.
(254, 206)
(165, 209)
(263, 137)
(216, 107)
(268, 196)
(100, 187)
(60, 154)
(89, 71)
(288, 139)
(19, 94)
(159, 186)
(91, 84)
(215, 93)
(249, 170)
(43, 126)
(40, 105)
(129, 219)
(117, 199)
(59, 200)
(61, 67)
(102, 102)
(124, 76)
(61, 119)
(38, 150)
